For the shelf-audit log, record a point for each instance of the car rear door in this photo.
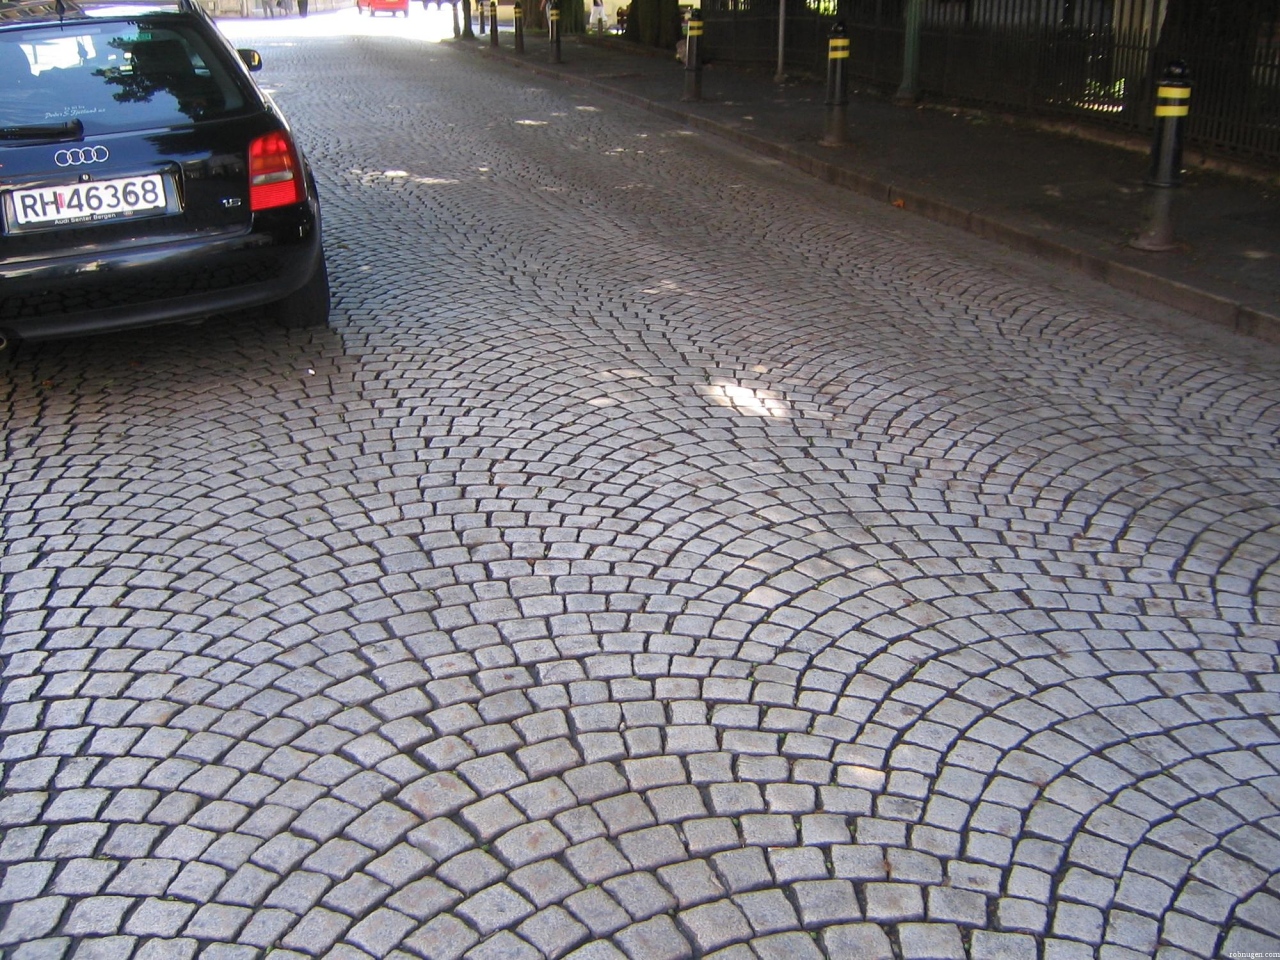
(122, 133)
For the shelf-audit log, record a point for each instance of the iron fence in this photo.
(1097, 60)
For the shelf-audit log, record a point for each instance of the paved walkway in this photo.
(1074, 200)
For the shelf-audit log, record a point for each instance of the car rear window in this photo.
(114, 75)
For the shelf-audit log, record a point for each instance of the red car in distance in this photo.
(377, 6)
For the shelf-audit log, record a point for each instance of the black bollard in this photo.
(1173, 103)
(837, 86)
(553, 28)
(693, 57)
(482, 15)
(518, 13)
(493, 23)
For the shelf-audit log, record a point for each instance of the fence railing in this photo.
(1094, 60)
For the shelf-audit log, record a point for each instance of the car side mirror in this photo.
(252, 59)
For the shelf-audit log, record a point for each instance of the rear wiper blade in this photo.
(69, 130)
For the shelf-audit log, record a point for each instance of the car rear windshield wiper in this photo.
(69, 130)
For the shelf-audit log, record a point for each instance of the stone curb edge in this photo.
(1217, 310)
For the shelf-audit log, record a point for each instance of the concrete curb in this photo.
(1217, 310)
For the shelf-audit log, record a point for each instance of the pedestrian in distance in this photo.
(597, 16)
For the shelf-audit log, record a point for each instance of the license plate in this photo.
(89, 202)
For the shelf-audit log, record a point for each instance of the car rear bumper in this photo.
(181, 280)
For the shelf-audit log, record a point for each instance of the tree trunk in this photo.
(1216, 39)
(572, 17)
(655, 23)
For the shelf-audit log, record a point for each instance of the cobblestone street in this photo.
(662, 555)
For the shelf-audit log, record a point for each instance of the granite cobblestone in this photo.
(633, 573)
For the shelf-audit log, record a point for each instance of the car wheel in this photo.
(309, 305)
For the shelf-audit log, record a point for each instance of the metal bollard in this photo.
(518, 13)
(482, 15)
(693, 58)
(1173, 103)
(493, 23)
(457, 28)
(553, 29)
(837, 86)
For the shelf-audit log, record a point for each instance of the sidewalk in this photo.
(1072, 200)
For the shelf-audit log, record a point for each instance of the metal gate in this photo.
(1097, 60)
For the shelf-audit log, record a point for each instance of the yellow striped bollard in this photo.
(1173, 104)
(837, 85)
(693, 57)
(553, 29)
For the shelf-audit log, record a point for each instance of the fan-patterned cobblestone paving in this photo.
(661, 557)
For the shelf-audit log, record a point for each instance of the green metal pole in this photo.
(909, 91)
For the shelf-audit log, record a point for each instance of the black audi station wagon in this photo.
(144, 176)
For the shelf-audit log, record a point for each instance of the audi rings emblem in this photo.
(79, 156)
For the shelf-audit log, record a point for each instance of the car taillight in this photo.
(275, 175)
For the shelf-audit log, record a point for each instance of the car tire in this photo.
(308, 306)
